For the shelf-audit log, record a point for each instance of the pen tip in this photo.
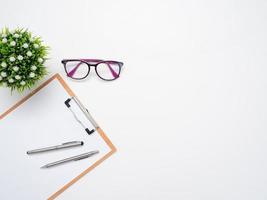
(43, 167)
(82, 143)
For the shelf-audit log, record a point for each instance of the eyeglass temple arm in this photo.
(114, 74)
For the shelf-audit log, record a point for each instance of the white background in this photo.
(188, 114)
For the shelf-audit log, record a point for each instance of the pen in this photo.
(73, 158)
(61, 146)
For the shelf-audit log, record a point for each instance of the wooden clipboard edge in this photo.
(65, 187)
(28, 96)
(99, 130)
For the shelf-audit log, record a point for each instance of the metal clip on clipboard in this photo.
(86, 113)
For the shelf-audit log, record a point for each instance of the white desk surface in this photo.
(188, 114)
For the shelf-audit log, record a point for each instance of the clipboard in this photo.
(42, 119)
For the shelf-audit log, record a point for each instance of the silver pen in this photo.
(73, 158)
(61, 146)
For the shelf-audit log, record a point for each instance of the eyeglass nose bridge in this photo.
(95, 67)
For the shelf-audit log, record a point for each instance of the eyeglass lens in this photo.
(77, 69)
(108, 70)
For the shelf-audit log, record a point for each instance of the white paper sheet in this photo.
(41, 121)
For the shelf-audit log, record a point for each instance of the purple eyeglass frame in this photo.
(96, 62)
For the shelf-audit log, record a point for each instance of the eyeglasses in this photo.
(79, 69)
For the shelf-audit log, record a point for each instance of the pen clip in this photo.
(72, 142)
(82, 157)
(86, 156)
